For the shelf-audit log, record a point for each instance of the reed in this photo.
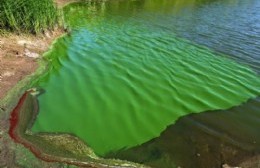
(33, 16)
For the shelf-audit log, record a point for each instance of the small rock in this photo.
(47, 34)
(7, 74)
(198, 154)
(227, 166)
(22, 42)
(31, 54)
(26, 43)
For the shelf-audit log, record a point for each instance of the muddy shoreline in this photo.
(19, 56)
(20, 61)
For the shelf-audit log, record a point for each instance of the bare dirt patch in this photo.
(18, 57)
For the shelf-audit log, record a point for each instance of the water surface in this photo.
(129, 69)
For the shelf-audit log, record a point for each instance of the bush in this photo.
(32, 16)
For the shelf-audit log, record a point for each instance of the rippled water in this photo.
(129, 69)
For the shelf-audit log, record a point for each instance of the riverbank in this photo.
(20, 55)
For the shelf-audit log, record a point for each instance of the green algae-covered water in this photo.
(129, 69)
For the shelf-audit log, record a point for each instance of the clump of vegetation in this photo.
(33, 16)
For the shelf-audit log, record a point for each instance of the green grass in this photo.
(32, 16)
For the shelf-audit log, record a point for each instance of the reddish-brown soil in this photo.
(18, 57)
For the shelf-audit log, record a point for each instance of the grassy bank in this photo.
(32, 16)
